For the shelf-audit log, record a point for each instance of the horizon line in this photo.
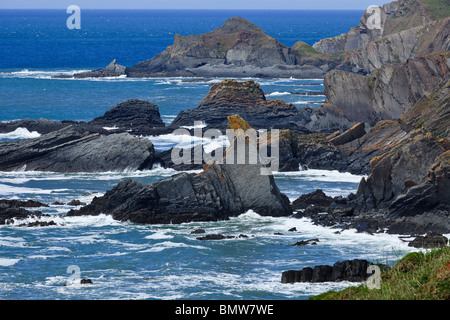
(188, 9)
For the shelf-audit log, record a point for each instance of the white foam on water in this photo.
(12, 242)
(39, 74)
(111, 128)
(159, 235)
(184, 141)
(322, 175)
(278, 93)
(8, 190)
(20, 177)
(6, 262)
(19, 133)
(170, 245)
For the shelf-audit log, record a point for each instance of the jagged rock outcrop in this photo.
(72, 149)
(217, 193)
(13, 210)
(393, 33)
(138, 117)
(134, 116)
(247, 99)
(379, 22)
(410, 160)
(113, 69)
(355, 132)
(220, 191)
(389, 91)
(432, 113)
(316, 198)
(384, 136)
(348, 270)
(238, 48)
(41, 126)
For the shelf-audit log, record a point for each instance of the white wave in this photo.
(198, 126)
(185, 141)
(170, 245)
(20, 133)
(322, 175)
(101, 220)
(8, 190)
(26, 176)
(110, 128)
(12, 242)
(277, 93)
(307, 102)
(159, 235)
(38, 74)
(5, 262)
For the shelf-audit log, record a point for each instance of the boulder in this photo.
(429, 241)
(317, 198)
(9, 213)
(138, 117)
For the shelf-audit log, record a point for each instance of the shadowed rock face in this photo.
(404, 29)
(217, 193)
(73, 149)
(389, 91)
(135, 116)
(220, 191)
(348, 270)
(247, 99)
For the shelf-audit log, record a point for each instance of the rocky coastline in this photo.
(386, 116)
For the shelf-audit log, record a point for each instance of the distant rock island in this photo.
(406, 29)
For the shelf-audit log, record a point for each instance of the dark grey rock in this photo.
(72, 149)
(138, 117)
(217, 193)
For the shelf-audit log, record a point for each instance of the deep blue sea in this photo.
(129, 261)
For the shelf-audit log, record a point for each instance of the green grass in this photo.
(438, 9)
(417, 276)
(302, 49)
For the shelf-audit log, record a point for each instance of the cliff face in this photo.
(389, 91)
(378, 22)
(393, 33)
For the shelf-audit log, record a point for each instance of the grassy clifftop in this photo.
(438, 9)
(417, 276)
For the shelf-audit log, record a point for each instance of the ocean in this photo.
(131, 261)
